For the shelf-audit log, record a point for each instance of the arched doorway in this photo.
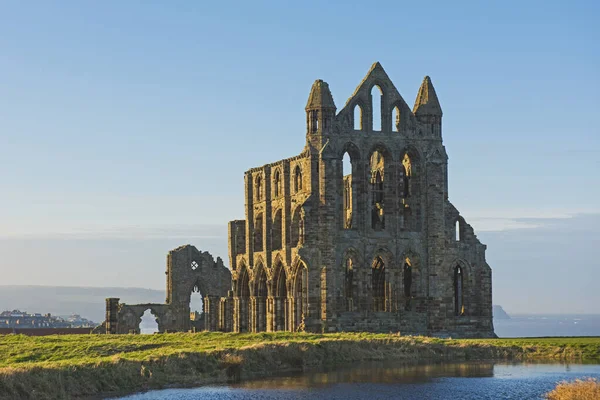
(378, 284)
(280, 307)
(197, 312)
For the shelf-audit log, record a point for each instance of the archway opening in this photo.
(297, 179)
(300, 297)
(261, 301)
(280, 299)
(377, 98)
(296, 228)
(276, 183)
(378, 284)
(396, 120)
(358, 118)
(457, 231)
(197, 312)
(149, 324)
(258, 232)
(276, 231)
(348, 191)
(377, 166)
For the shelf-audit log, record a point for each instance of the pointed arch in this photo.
(297, 179)
(377, 105)
(300, 295)
(258, 188)
(258, 232)
(378, 281)
(459, 296)
(396, 119)
(243, 299)
(280, 295)
(277, 230)
(261, 293)
(358, 117)
(277, 183)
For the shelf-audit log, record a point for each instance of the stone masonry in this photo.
(377, 247)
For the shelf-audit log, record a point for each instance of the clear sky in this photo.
(125, 127)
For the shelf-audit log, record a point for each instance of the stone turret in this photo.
(320, 109)
(427, 107)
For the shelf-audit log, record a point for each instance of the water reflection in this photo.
(373, 372)
(386, 381)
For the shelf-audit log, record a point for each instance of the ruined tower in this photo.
(376, 248)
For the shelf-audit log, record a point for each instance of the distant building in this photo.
(23, 320)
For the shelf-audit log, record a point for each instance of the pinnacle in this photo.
(427, 102)
(320, 96)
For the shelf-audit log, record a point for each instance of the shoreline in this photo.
(134, 363)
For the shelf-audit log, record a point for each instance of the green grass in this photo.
(67, 366)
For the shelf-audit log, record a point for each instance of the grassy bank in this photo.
(57, 367)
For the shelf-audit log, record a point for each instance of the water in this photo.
(548, 325)
(467, 381)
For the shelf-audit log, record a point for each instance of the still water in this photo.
(468, 381)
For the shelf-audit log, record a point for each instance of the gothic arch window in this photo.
(406, 173)
(244, 300)
(378, 284)
(280, 290)
(457, 235)
(258, 232)
(258, 188)
(296, 228)
(297, 179)
(407, 278)
(396, 119)
(376, 107)
(347, 190)
(459, 307)
(261, 300)
(276, 231)
(358, 118)
(377, 162)
(276, 183)
(349, 284)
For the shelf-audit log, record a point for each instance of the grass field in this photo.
(71, 366)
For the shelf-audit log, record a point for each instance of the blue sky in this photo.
(125, 127)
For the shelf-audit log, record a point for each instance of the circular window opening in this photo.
(194, 265)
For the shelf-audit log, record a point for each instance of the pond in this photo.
(378, 380)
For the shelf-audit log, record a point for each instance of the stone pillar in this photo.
(112, 315)
(236, 315)
(270, 314)
(211, 312)
(253, 314)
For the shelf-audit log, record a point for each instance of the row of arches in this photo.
(378, 114)
(295, 234)
(278, 304)
(373, 288)
(297, 184)
(382, 187)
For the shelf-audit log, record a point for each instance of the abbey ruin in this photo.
(373, 245)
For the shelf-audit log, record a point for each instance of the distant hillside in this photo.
(64, 300)
(499, 313)
(89, 301)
